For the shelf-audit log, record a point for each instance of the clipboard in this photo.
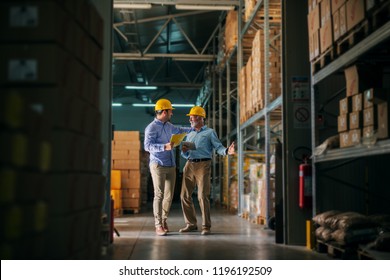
(190, 145)
(177, 139)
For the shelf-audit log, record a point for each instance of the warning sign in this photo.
(300, 90)
(302, 115)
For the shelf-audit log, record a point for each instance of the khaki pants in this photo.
(196, 174)
(164, 179)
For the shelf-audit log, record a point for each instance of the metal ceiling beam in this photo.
(151, 56)
(168, 84)
(174, 2)
(151, 19)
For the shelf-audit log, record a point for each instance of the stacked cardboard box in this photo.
(363, 114)
(230, 187)
(259, 198)
(231, 31)
(50, 129)
(252, 75)
(126, 157)
(258, 67)
(332, 21)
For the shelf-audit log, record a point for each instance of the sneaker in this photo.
(165, 226)
(205, 231)
(160, 231)
(188, 228)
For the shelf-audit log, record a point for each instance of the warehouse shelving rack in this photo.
(261, 119)
(380, 37)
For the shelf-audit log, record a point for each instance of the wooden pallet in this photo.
(338, 251)
(324, 59)
(353, 37)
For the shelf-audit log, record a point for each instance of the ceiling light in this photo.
(183, 105)
(116, 104)
(132, 6)
(141, 87)
(204, 7)
(152, 105)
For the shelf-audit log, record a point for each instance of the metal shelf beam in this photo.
(381, 147)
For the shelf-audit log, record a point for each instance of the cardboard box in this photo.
(127, 135)
(39, 64)
(352, 80)
(316, 43)
(336, 4)
(314, 20)
(21, 186)
(357, 102)
(40, 21)
(125, 164)
(355, 136)
(326, 36)
(336, 25)
(311, 4)
(345, 105)
(131, 183)
(131, 203)
(131, 193)
(21, 150)
(325, 11)
(127, 145)
(342, 123)
(383, 120)
(345, 140)
(356, 120)
(343, 20)
(355, 13)
(370, 117)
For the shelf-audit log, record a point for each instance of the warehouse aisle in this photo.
(232, 238)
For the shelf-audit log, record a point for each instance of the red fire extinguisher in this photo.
(305, 185)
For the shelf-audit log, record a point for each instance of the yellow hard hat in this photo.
(163, 104)
(197, 111)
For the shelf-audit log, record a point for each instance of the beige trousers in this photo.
(196, 174)
(164, 179)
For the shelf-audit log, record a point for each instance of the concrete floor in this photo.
(232, 238)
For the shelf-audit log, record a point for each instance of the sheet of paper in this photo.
(190, 145)
(177, 138)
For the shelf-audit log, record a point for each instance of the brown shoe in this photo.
(205, 231)
(160, 231)
(188, 228)
(165, 226)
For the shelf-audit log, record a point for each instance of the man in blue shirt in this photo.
(162, 161)
(197, 170)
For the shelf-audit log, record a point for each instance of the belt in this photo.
(199, 159)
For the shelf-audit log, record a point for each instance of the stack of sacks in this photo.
(345, 228)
